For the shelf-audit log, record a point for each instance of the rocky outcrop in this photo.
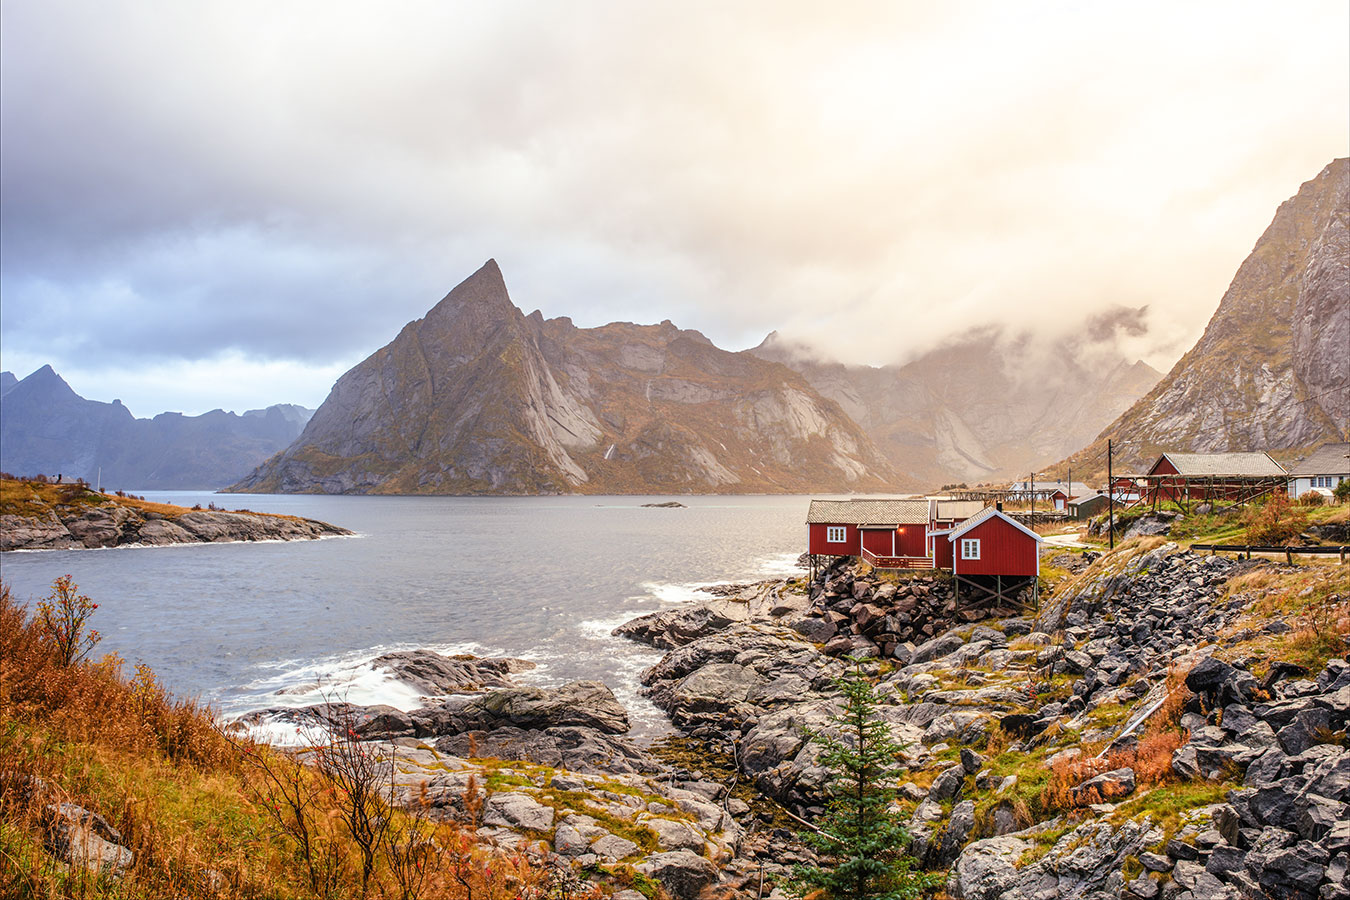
(478, 398)
(103, 522)
(47, 428)
(674, 834)
(432, 674)
(1270, 371)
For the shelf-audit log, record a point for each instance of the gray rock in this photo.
(936, 648)
(986, 869)
(586, 704)
(683, 873)
(515, 809)
(959, 827)
(1105, 787)
(613, 847)
(672, 835)
(677, 627)
(577, 749)
(431, 673)
(84, 839)
(948, 784)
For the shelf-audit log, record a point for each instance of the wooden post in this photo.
(1288, 556)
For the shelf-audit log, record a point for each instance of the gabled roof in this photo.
(868, 512)
(989, 513)
(1247, 464)
(957, 509)
(1328, 459)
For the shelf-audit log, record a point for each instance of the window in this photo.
(834, 534)
(970, 548)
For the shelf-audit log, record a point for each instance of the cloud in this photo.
(293, 183)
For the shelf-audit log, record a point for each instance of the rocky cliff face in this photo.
(478, 398)
(47, 428)
(1272, 370)
(983, 409)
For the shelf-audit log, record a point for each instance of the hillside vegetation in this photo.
(111, 788)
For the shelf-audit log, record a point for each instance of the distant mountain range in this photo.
(978, 410)
(1272, 370)
(478, 398)
(47, 428)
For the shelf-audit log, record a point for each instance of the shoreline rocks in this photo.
(75, 528)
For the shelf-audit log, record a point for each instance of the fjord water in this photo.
(253, 625)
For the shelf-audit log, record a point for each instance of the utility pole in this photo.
(1110, 496)
(1033, 498)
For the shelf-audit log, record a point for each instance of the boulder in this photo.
(683, 873)
(516, 809)
(936, 648)
(84, 839)
(673, 628)
(986, 870)
(586, 704)
(432, 674)
(1105, 787)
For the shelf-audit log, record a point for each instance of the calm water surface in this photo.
(267, 624)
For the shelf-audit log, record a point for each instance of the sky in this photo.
(228, 204)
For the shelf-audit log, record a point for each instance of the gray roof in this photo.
(989, 512)
(958, 509)
(1328, 459)
(868, 512)
(1247, 464)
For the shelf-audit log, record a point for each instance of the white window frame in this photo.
(970, 548)
(835, 534)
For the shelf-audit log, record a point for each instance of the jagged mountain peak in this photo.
(477, 398)
(1271, 370)
(47, 384)
(479, 301)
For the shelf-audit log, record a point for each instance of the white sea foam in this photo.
(780, 565)
(672, 592)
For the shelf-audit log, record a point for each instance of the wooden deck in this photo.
(896, 562)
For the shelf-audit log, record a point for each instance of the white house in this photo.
(1322, 470)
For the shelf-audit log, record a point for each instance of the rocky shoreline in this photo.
(76, 528)
(1031, 736)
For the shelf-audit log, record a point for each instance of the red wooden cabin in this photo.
(990, 543)
(890, 534)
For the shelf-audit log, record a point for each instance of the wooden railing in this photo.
(896, 562)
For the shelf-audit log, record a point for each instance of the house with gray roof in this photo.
(1321, 470)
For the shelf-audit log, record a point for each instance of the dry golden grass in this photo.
(190, 802)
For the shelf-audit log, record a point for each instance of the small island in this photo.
(37, 514)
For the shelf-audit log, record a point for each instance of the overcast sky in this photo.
(229, 204)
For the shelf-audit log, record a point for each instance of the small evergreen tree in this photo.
(861, 839)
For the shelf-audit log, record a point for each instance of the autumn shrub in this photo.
(1274, 521)
(185, 797)
(1311, 498)
(62, 618)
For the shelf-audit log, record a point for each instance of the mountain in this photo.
(478, 398)
(47, 428)
(985, 408)
(1272, 369)
(7, 381)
